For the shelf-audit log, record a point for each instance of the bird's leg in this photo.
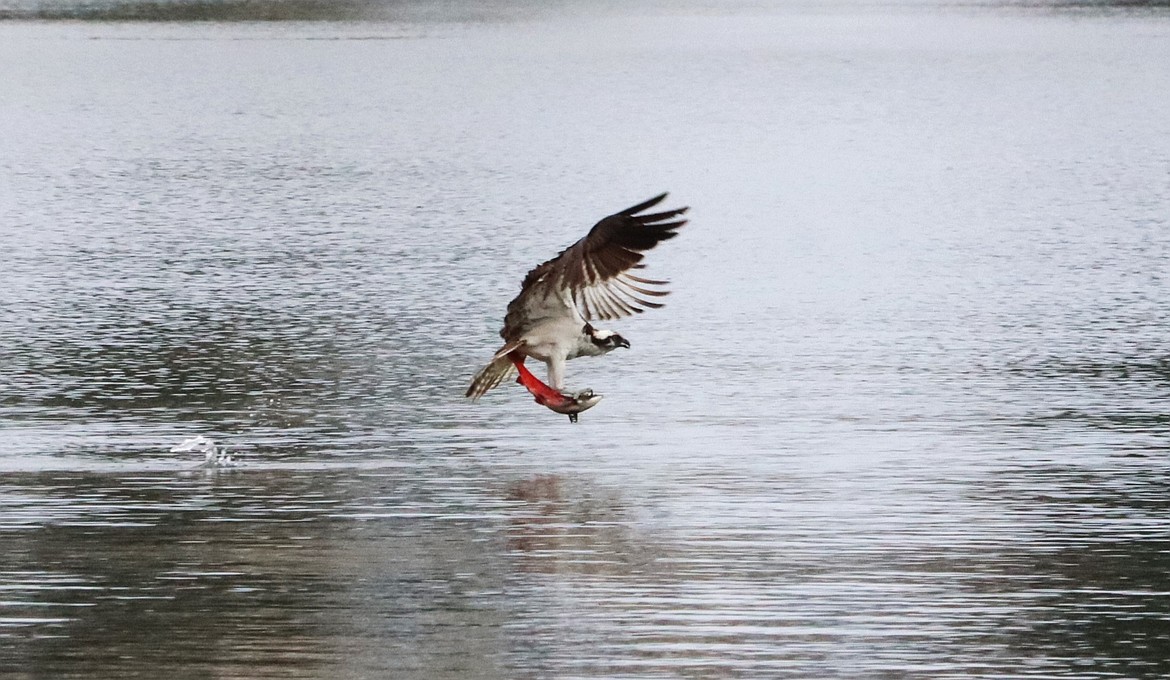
(556, 380)
(545, 395)
(556, 374)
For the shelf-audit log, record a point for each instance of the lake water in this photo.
(905, 414)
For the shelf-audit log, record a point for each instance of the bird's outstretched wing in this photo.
(595, 273)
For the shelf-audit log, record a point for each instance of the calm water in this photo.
(905, 414)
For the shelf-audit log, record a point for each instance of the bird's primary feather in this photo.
(594, 276)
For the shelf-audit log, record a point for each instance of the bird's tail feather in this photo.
(490, 376)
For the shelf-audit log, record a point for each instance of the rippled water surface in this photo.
(905, 414)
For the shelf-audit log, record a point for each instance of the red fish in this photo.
(568, 404)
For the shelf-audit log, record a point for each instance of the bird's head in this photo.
(606, 340)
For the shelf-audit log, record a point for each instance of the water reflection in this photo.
(1096, 562)
(279, 572)
(445, 567)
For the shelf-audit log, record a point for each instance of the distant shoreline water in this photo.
(193, 10)
(387, 10)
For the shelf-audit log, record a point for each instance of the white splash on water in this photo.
(214, 456)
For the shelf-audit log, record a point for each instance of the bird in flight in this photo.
(551, 320)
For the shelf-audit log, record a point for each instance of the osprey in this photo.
(551, 319)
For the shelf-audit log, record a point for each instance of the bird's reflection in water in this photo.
(559, 527)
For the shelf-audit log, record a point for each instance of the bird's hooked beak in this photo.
(624, 343)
